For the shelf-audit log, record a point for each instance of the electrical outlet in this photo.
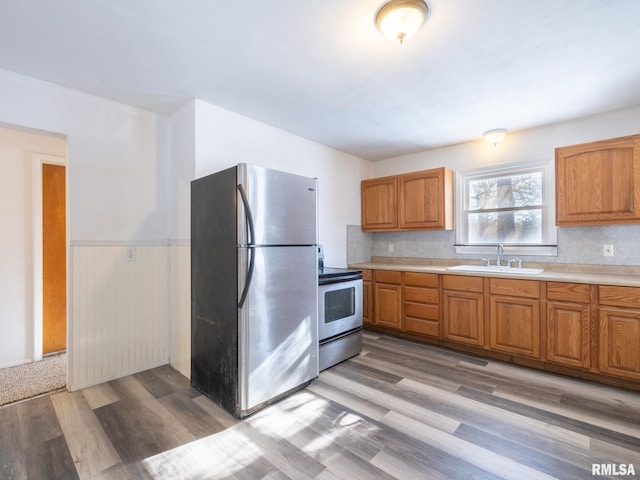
(390, 247)
(607, 250)
(131, 254)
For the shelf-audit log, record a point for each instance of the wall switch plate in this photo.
(391, 247)
(131, 254)
(607, 250)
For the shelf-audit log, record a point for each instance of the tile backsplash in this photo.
(576, 245)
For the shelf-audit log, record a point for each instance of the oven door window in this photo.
(339, 304)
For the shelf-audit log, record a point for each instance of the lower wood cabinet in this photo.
(463, 309)
(620, 331)
(422, 303)
(569, 320)
(387, 298)
(515, 316)
(585, 330)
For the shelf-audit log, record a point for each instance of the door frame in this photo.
(37, 160)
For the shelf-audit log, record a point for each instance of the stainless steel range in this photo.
(339, 314)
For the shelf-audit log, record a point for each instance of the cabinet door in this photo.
(463, 317)
(387, 299)
(568, 334)
(379, 204)
(598, 183)
(425, 200)
(619, 340)
(515, 325)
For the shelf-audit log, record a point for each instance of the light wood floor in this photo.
(399, 410)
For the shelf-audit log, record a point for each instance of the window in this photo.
(511, 205)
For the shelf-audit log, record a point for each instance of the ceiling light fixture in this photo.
(401, 19)
(495, 136)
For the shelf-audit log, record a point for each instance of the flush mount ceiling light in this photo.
(401, 19)
(496, 135)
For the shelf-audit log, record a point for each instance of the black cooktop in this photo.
(331, 275)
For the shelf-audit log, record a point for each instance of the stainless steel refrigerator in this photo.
(254, 286)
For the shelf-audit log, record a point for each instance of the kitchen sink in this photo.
(497, 269)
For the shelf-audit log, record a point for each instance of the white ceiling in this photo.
(321, 70)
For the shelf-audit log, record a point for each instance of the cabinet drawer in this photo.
(388, 276)
(418, 310)
(367, 275)
(568, 292)
(619, 296)
(461, 282)
(421, 279)
(517, 288)
(422, 295)
(425, 327)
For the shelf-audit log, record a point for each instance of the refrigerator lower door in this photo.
(278, 324)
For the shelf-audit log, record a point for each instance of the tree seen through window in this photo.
(505, 209)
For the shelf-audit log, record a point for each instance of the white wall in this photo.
(120, 317)
(521, 146)
(182, 166)
(129, 183)
(129, 174)
(575, 244)
(181, 173)
(118, 169)
(17, 328)
(117, 157)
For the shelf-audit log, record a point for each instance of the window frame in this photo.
(549, 244)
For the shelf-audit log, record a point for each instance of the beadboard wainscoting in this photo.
(119, 322)
(180, 308)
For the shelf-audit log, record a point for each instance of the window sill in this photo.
(541, 250)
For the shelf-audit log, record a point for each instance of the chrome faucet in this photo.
(500, 255)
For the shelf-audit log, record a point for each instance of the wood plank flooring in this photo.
(399, 410)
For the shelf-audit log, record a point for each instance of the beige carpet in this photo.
(31, 379)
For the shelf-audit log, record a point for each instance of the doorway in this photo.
(30, 192)
(23, 151)
(50, 239)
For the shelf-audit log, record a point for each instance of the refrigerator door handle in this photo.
(248, 216)
(248, 277)
(250, 245)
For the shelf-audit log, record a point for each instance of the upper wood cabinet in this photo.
(598, 183)
(413, 201)
(426, 200)
(379, 203)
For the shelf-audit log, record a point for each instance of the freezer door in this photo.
(282, 206)
(278, 324)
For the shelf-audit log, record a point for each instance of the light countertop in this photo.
(553, 272)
